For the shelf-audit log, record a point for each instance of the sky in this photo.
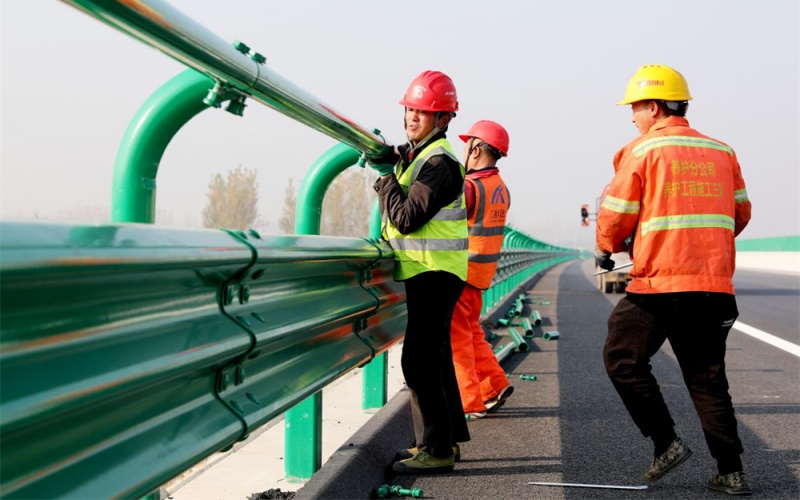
(549, 71)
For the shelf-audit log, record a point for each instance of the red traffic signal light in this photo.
(584, 215)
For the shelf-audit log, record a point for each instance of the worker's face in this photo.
(645, 115)
(419, 124)
(471, 152)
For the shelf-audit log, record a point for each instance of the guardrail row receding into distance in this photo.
(130, 352)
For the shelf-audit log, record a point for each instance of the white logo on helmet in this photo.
(418, 91)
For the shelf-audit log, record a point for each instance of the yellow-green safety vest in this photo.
(439, 245)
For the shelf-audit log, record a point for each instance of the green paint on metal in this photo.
(303, 425)
(375, 375)
(133, 197)
(181, 38)
(304, 432)
(375, 383)
(522, 345)
(148, 371)
(527, 327)
(385, 490)
(781, 244)
(308, 221)
(316, 182)
(129, 354)
(504, 351)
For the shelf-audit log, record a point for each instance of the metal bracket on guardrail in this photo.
(228, 378)
(364, 277)
(376, 243)
(222, 92)
(233, 293)
(360, 325)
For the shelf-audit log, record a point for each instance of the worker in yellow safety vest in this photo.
(424, 219)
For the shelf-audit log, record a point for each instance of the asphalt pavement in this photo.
(569, 426)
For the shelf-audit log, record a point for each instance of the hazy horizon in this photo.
(550, 72)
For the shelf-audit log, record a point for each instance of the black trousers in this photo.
(427, 362)
(696, 325)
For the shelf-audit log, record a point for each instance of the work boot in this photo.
(410, 452)
(499, 400)
(676, 454)
(423, 463)
(732, 484)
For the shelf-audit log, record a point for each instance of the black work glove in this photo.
(385, 163)
(603, 260)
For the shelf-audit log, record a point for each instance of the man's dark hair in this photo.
(673, 108)
(493, 151)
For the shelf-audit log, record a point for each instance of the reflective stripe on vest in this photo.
(486, 229)
(678, 140)
(428, 244)
(439, 245)
(484, 258)
(687, 222)
(621, 206)
(740, 195)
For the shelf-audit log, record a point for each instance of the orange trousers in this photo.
(480, 377)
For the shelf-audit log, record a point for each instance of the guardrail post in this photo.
(374, 378)
(303, 429)
(303, 424)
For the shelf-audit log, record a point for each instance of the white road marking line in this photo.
(768, 338)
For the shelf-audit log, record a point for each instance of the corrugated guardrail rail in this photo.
(130, 352)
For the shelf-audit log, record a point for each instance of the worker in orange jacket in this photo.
(482, 382)
(680, 195)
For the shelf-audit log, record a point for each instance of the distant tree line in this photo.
(232, 202)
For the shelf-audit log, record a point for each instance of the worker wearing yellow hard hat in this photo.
(656, 87)
(656, 82)
(680, 195)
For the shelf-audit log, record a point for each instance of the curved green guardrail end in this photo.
(319, 177)
(133, 197)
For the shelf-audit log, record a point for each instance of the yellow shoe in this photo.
(410, 452)
(423, 463)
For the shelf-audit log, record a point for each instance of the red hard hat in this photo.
(431, 91)
(491, 133)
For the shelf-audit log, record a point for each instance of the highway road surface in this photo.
(569, 425)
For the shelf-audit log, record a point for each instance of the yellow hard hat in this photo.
(656, 82)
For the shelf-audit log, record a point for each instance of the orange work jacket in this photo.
(681, 195)
(486, 223)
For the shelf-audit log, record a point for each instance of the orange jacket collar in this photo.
(670, 121)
